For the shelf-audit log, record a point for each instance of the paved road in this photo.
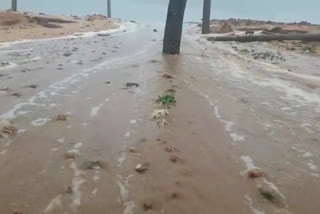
(233, 113)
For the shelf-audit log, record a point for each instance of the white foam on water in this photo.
(94, 110)
(40, 121)
(249, 202)
(307, 155)
(235, 137)
(84, 124)
(54, 149)
(94, 191)
(78, 145)
(11, 65)
(312, 166)
(23, 112)
(67, 82)
(37, 58)
(61, 140)
(77, 181)
(315, 175)
(20, 131)
(129, 206)
(96, 175)
(127, 134)
(133, 122)
(248, 161)
(55, 202)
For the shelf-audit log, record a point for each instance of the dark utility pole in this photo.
(206, 16)
(173, 30)
(14, 5)
(109, 8)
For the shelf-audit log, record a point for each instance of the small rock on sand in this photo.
(142, 168)
(170, 149)
(7, 128)
(62, 117)
(68, 190)
(132, 84)
(254, 173)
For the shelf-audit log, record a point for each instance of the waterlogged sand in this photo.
(17, 26)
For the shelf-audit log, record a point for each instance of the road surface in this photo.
(233, 114)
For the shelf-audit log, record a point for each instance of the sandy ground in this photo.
(235, 114)
(17, 26)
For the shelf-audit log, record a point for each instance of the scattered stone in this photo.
(67, 54)
(104, 34)
(249, 32)
(147, 205)
(88, 165)
(171, 90)
(170, 149)
(68, 190)
(254, 173)
(174, 159)
(132, 84)
(16, 94)
(34, 86)
(175, 195)
(167, 76)
(62, 117)
(142, 168)
(132, 149)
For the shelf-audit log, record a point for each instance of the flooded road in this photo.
(233, 114)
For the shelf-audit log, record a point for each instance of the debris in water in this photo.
(88, 165)
(71, 154)
(68, 190)
(167, 76)
(16, 94)
(147, 205)
(175, 159)
(170, 149)
(8, 128)
(159, 113)
(132, 84)
(155, 30)
(67, 54)
(62, 117)
(108, 82)
(132, 149)
(142, 168)
(34, 86)
(167, 99)
(254, 172)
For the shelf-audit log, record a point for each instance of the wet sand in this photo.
(232, 113)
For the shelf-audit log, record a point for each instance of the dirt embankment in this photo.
(16, 25)
(255, 27)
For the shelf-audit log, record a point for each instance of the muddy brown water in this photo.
(231, 111)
